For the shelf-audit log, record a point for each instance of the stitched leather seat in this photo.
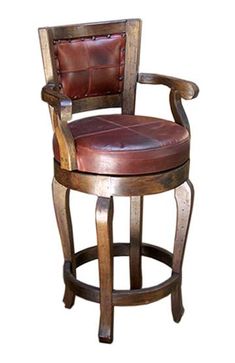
(127, 144)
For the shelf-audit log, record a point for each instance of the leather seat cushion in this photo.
(127, 144)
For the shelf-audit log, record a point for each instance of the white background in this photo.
(189, 39)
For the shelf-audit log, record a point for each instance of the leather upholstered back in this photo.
(91, 66)
(95, 64)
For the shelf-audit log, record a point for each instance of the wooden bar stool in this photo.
(94, 66)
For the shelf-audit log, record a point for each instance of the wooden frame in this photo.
(62, 107)
(66, 177)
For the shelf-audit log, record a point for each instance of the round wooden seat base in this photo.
(123, 297)
(107, 185)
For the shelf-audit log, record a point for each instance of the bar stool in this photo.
(94, 66)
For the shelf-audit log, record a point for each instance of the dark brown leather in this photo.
(127, 144)
(91, 66)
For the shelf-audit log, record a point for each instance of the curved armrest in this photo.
(62, 104)
(179, 89)
(186, 89)
(61, 113)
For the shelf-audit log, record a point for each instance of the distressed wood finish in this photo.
(136, 220)
(106, 186)
(186, 89)
(88, 29)
(179, 89)
(177, 110)
(66, 144)
(133, 34)
(46, 42)
(62, 211)
(104, 217)
(184, 196)
(95, 103)
(62, 104)
(123, 297)
(59, 106)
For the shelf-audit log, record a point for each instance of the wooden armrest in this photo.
(179, 89)
(186, 89)
(60, 114)
(62, 104)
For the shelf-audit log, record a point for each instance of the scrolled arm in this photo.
(186, 89)
(61, 113)
(62, 104)
(179, 89)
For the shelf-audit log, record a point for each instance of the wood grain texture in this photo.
(179, 89)
(46, 43)
(60, 107)
(62, 104)
(88, 29)
(68, 160)
(133, 34)
(186, 89)
(184, 196)
(61, 112)
(178, 111)
(98, 102)
(136, 221)
(123, 297)
(62, 211)
(104, 219)
(107, 186)
(177, 307)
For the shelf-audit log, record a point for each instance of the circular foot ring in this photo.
(122, 297)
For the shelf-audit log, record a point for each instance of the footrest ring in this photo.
(123, 297)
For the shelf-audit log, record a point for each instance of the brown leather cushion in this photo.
(91, 66)
(127, 144)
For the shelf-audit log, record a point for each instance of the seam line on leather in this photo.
(118, 127)
(104, 66)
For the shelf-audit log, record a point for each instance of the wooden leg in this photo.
(104, 217)
(136, 217)
(184, 195)
(62, 211)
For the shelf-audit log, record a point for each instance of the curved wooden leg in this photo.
(62, 211)
(136, 218)
(104, 217)
(184, 195)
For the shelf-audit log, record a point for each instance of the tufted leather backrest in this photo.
(91, 66)
(94, 64)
